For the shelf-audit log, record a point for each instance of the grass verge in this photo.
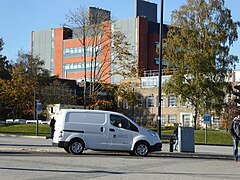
(213, 137)
(25, 129)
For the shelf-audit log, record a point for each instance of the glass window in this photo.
(141, 102)
(125, 104)
(75, 66)
(72, 92)
(156, 44)
(163, 120)
(75, 50)
(121, 122)
(172, 101)
(66, 66)
(67, 50)
(150, 101)
(187, 120)
(163, 103)
(172, 119)
(165, 79)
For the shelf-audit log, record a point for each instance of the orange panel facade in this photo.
(58, 52)
(70, 60)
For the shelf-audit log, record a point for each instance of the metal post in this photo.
(34, 104)
(152, 109)
(160, 69)
(39, 110)
(37, 126)
(206, 134)
(133, 111)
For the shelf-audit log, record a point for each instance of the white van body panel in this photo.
(120, 139)
(99, 130)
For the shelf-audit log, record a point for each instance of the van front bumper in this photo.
(156, 147)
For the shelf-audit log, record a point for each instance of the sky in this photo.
(18, 18)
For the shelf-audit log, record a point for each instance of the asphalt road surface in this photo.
(35, 158)
(59, 165)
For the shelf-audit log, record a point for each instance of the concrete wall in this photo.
(41, 46)
(128, 27)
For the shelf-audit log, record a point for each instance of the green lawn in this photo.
(214, 137)
(25, 129)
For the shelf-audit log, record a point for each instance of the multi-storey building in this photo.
(63, 54)
(172, 111)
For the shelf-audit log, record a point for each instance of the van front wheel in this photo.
(141, 149)
(76, 147)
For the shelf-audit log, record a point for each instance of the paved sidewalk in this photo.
(12, 143)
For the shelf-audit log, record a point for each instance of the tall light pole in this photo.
(152, 105)
(160, 69)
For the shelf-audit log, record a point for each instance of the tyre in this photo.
(76, 147)
(132, 153)
(141, 149)
(67, 149)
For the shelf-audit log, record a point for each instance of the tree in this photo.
(105, 98)
(103, 48)
(4, 63)
(55, 93)
(30, 82)
(198, 46)
(229, 112)
(4, 74)
(16, 92)
(26, 76)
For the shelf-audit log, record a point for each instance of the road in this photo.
(34, 158)
(50, 165)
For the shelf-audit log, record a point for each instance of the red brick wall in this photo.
(142, 44)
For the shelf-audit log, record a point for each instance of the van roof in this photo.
(88, 110)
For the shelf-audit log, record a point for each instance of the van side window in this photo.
(121, 122)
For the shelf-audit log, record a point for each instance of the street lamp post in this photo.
(160, 68)
(152, 105)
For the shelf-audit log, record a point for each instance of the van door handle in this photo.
(101, 129)
(112, 130)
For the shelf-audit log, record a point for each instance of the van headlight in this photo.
(153, 133)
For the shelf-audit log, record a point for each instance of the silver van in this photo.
(76, 130)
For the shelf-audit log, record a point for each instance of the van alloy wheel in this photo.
(142, 149)
(76, 147)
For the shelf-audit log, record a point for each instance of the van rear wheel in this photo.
(67, 149)
(141, 149)
(76, 147)
(132, 153)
